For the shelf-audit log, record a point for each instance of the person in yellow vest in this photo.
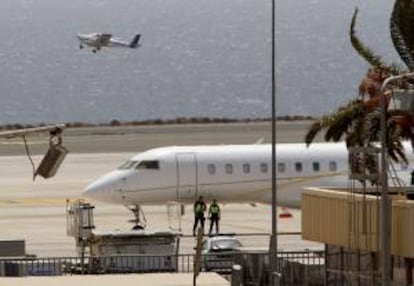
(214, 214)
(199, 210)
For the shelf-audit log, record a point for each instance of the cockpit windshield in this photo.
(154, 165)
(139, 165)
(130, 164)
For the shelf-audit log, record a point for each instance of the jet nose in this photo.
(104, 189)
(95, 191)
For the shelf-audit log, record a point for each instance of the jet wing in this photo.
(104, 39)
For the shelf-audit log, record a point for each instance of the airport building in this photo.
(348, 223)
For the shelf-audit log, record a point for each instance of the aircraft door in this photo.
(187, 184)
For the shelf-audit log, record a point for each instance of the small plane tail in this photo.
(134, 42)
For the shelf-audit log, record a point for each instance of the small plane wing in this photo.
(104, 39)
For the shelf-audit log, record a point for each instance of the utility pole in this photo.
(273, 238)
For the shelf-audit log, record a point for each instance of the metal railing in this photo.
(292, 268)
(255, 265)
(96, 265)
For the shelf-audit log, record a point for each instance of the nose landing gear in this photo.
(139, 222)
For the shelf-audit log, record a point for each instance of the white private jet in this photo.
(97, 41)
(228, 173)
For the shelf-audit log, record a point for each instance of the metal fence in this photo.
(292, 268)
(295, 268)
(48, 266)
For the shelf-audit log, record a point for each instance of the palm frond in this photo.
(313, 130)
(394, 145)
(338, 129)
(401, 27)
(336, 124)
(404, 122)
(364, 51)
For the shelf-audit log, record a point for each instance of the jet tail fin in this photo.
(134, 42)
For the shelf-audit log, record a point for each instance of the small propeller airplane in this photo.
(97, 40)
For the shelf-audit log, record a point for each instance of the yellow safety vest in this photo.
(198, 208)
(214, 209)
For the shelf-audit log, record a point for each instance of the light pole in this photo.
(273, 237)
(385, 201)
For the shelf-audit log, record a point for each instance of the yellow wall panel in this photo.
(352, 220)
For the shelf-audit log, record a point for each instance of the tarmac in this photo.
(165, 279)
(36, 210)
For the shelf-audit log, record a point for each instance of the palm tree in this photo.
(358, 122)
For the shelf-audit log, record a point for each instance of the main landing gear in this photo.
(139, 223)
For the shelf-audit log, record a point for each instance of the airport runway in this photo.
(36, 210)
(137, 139)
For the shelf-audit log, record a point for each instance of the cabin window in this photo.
(154, 165)
(281, 167)
(316, 166)
(298, 167)
(263, 167)
(246, 168)
(229, 168)
(211, 168)
(130, 164)
(332, 166)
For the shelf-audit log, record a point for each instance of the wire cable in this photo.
(29, 156)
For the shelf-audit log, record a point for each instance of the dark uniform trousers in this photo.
(214, 219)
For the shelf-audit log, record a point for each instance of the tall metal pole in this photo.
(385, 201)
(385, 205)
(273, 238)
